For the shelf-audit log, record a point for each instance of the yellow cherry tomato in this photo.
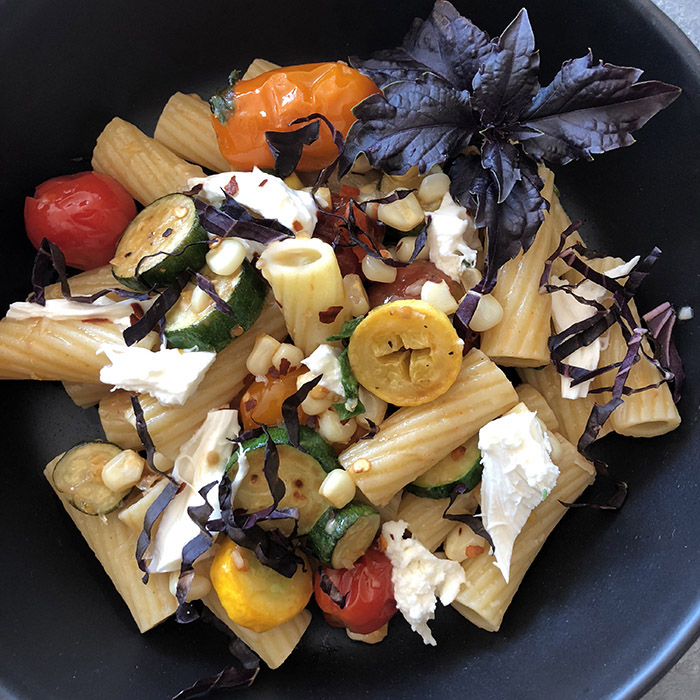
(256, 596)
(406, 352)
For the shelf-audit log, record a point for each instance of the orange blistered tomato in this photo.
(262, 402)
(273, 100)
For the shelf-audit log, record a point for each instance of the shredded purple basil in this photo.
(395, 196)
(473, 522)
(338, 140)
(290, 407)
(246, 666)
(660, 322)
(142, 431)
(156, 313)
(207, 286)
(48, 257)
(165, 254)
(287, 146)
(373, 430)
(330, 589)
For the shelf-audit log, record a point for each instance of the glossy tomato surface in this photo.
(83, 214)
(611, 600)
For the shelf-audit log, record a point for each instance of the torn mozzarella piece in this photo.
(518, 475)
(324, 361)
(265, 195)
(170, 376)
(202, 461)
(452, 238)
(418, 577)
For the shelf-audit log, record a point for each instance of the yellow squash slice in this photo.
(406, 352)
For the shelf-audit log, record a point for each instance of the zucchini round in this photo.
(302, 474)
(461, 466)
(169, 226)
(212, 330)
(78, 475)
(341, 536)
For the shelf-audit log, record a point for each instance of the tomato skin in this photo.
(273, 100)
(83, 214)
(370, 594)
(262, 401)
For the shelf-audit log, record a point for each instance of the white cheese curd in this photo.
(201, 461)
(170, 375)
(118, 312)
(324, 360)
(685, 313)
(567, 310)
(418, 577)
(452, 238)
(518, 475)
(265, 195)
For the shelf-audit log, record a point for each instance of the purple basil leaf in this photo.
(290, 407)
(507, 78)
(163, 303)
(501, 158)
(395, 196)
(471, 521)
(660, 322)
(446, 44)
(329, 588)
(48, 257)
(287, 146)
(422, 123)
(207, 286)
(338, 140)
(590, 108)
(271, 467)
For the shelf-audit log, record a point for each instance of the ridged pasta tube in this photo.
(520, 339)
(415, 437)
(307, 284)
(86, 394)
(146, 168)
(486, 596)
(185, 127)
(537, 403)
(171, 426)
(114, 544)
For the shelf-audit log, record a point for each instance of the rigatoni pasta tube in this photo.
(520, 339)
(273, 646)
(307, 284)
(86, 394)
(486, 596)
(146, 168)
(537, 403)
(114, 544)
(86, 283)
(415, 437)
(185, 127)
(171, 426)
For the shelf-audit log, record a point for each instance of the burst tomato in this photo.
(83, 214)
(370, 594)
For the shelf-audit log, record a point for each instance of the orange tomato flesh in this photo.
(262, 401)
(274, 99)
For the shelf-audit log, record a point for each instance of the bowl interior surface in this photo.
(612, 599)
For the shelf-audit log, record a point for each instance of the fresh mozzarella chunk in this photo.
(171, 376)
(518, 475)
(418, 577)
(324, 360)
(265, 195)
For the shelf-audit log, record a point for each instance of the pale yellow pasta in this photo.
(258, 67)
(307, 284)
(86, 394)
(520, 339)
(560, 221)
(424, 516)
(133, 515)
(273, 646)
(537, 403)
(415, 437)
(486, 596)
(44, 348)
(171, 426)
(146, 168)
(114, 545)
(86, 283)
(648, 413)
(185, 128)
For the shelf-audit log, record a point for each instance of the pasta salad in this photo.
(297, 345)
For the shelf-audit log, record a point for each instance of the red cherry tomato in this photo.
(83, 214)
(370, 594)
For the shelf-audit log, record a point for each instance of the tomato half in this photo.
(83, 214)
(370, 594)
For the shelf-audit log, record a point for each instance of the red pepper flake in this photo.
(236, 331)
(250, 404)
(274, 373)
(458, 453)
(138, 310)
(312, 422)
(231, 187)
(349, 192)
(181, 488)
(285, 364)
(297, 226)
(96, 320)
(473, 551)
(263, 183)
(330, 314)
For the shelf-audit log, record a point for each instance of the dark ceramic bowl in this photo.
(612, 600)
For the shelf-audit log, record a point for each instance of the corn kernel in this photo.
(331, 429)
(199, 300)
(294, 182)
(226, 257)
(377, 271)
(338, 488)
(123, 471)
(356, 295)
(201, 585)
(403, 214)
(432, 189)
(488, 314)
(260, 359)
(438, 294)
(405, 248)
(289, 352)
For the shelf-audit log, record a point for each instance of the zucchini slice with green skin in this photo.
(212, 330)
(170, 226)
(302, 474)
(461, 466)
(78, 475)
(342, 535)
